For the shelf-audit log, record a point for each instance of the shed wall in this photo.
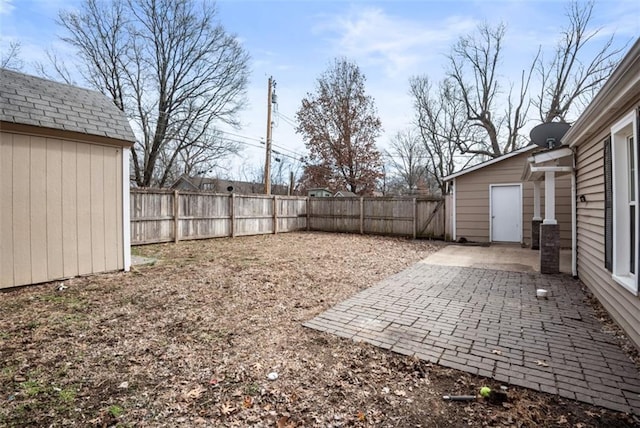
(621, 304)
(61, 211)
(472, 200)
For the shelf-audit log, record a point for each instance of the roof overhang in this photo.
(558, 160)
(41, 131)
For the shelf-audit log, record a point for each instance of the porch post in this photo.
(549, 229)
(550, 198)
(536, 200)
(537, 219)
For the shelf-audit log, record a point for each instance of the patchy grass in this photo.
(191, 340)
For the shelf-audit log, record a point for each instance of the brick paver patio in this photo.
(490, 323)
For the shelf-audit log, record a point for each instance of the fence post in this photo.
(361, 215)
(275, 214)
(415, 218)
(176, 217)
(232, 204)
(308, 213)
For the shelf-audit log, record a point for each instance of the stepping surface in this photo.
(490, 323)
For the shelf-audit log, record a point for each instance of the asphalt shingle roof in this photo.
(30, 100)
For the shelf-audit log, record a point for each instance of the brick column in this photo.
(535, 234)
(549, 248)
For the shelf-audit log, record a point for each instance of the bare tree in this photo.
(573, 75)
(339, 123)
(10, 57)
(442, 123)
(474, 63)
(170, 67)
(198, 158)
(60, 69)
(407, 160)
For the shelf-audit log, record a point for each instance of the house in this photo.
(345, 194)
(216, 185)
(605, 145)
(64, 181)
(319, 192)
(490, 203)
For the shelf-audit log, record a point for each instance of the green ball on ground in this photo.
(485, 391)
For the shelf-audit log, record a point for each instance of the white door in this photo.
(506, 213)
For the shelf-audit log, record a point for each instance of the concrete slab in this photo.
(489, 322)
(497, 256)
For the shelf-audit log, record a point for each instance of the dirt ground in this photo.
(193, 339)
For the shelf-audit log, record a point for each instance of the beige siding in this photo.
(472, 200)
(61, 211)
(54, 208)
(6, 214)
(623, 306)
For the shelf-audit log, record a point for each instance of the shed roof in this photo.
(490, 162)
(30, 100)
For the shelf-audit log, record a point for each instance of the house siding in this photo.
(473, 200)
(61, 211)
(621, 304)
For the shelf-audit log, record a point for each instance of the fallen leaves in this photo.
(195, 336)
(247, 403)
(194, 394)
(227, 408)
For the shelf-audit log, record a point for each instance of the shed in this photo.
(345, 194)
(490, 203)
(319, 192)
(605, 143)
(64, 181)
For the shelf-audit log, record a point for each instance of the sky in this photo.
(391, 41)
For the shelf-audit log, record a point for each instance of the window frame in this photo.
(621, 131)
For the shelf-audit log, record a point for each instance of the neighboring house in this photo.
(319, 192)
(490, 203)
(204, 184)
(345, 194)
(605, 141)
(64, 181)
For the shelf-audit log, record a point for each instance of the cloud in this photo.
(396, 44)
(6, 7)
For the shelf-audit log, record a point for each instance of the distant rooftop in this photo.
(30, 100)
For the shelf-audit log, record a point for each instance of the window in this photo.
(624, 177)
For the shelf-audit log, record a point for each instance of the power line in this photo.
(255, 145)
(241, 136)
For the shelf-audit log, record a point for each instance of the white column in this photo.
(549, 198)
(536, 201)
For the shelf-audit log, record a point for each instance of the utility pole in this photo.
(267, 161)
(290, 183)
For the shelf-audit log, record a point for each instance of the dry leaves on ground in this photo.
(191, 341)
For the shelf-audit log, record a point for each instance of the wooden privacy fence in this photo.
(166, 216)
(415, 217)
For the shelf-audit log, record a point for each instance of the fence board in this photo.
(210, 215)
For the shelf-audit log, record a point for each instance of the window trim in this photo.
(620, 165)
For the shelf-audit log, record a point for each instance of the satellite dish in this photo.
(549, 135)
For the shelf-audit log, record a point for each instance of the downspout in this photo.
(126, 210)
(574, 220)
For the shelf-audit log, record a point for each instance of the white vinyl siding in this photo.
(623, 306)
